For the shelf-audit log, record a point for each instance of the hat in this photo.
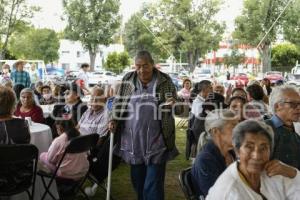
(19, 62)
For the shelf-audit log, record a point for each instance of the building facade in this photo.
(72, 54)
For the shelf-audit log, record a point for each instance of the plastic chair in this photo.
(186, 185)
(18, 166)
(79, 144)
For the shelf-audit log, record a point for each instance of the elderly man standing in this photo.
(285, 106)
(20, 77)
(142, 116)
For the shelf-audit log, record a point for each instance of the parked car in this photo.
(71, 75)
(294, 79)
(274, 76)
(201, 74)
(102, 77)
(241, 79)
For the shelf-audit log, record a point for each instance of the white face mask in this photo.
(47, 96)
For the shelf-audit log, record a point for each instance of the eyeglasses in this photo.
(292, 104)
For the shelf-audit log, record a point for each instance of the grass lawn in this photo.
(121, 184)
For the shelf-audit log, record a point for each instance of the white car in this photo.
(102, 77)
(201, 74)
(294, 79)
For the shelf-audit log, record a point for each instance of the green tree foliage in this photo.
(187, 26)
(256, 19)
(12, 14)
(291, 25)
(137, 36)
(41, 44)
(116, 62)
(234, 59)
(284, 57)
(92, 22)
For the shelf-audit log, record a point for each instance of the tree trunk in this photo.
(265, 53)
(92, 60)
(2, 53)
(11, 23)
(191, 61)
(4, 48)
(196, 57)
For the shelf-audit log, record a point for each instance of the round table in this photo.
(47, 110)
(41, 136)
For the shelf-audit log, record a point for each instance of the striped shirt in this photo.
(94, 122)
(21, 77)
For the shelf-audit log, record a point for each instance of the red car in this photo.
(274, 76)
(241, 79)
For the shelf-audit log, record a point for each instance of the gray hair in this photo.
(277, 95)
(30, 91)
(146, 55)
(218, 118)
(251, 127)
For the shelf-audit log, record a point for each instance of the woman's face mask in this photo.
(47, 96)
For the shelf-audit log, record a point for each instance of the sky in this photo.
(52, 12)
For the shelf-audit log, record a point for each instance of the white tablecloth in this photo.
(41, 136)
(47, 110)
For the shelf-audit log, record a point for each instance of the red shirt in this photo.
(36, 114)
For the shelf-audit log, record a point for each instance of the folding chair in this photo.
(79, 144)
(185, 180)
(18, 166)
(191, 141)
(183, 118)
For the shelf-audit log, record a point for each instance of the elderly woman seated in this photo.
(28, 108)
(96, 118)
(254, 175)
(217, 154)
